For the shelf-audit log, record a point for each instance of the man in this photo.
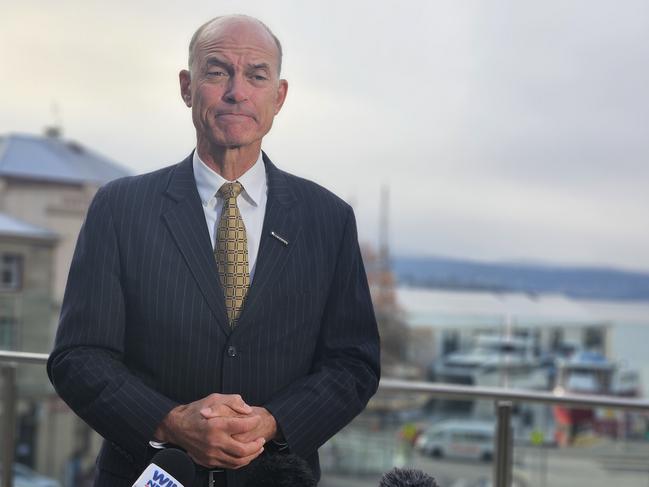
(219, 305)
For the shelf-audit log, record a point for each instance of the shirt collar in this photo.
(209, 181)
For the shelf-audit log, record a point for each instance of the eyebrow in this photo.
(265, 66)
(215, 61)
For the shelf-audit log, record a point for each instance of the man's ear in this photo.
(185, 86)
(282, 90)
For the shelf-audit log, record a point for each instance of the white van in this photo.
(458, 438)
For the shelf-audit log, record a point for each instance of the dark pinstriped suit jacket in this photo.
(143, 324)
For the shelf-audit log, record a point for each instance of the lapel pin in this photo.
(283, 240)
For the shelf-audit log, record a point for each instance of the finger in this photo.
(235, 450)
(228, 453)
(219, 410)
(236, 425)
(236, 402)
(246, 460)
(248, 437)
(226, 461)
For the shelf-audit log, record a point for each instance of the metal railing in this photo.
(8, 357)
(503, 398)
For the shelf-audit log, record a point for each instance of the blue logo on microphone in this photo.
(159, 480)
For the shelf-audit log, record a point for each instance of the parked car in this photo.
(458, 438)
(26, 477)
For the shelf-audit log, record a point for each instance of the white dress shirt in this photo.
(251, 202)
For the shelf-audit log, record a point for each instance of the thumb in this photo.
(231, 406)
(237, 404)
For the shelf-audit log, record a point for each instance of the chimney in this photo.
(53, 132)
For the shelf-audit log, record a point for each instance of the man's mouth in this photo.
(234, 115)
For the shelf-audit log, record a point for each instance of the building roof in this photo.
(54, 159)
(456, 309)
(13, 227)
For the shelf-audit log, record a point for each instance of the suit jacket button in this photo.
(232, 351)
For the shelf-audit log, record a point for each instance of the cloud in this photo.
(507, 129)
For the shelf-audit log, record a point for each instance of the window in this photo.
(7, 333)
(594, 338)
(11, 267)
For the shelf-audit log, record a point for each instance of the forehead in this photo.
(237, 38)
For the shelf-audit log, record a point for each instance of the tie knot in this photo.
(230, 190)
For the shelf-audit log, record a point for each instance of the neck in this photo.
(229, 162)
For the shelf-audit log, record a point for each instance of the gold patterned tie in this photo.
(231, 252)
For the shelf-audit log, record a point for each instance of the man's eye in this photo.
(258, 75)
(216, 73)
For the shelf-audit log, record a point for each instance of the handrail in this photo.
(23, 357)
(514, 395)
(502, 397)
(445, 390)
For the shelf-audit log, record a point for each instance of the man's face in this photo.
(234, 87)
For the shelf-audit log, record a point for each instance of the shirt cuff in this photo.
(158, 445)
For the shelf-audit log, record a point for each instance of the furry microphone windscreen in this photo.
(406, 477)
(280, 471)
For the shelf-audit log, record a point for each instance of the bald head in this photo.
(233, 87)
(216, 24)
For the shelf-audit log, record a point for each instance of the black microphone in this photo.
(168, 468)
(279, 470)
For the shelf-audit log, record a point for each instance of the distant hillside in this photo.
(575, 282)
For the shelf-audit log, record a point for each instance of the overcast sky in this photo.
(506, 130)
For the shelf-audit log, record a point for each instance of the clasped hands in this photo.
(219, 431)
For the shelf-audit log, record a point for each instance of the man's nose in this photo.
(237, 91)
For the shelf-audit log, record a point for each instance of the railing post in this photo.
(8, 422)
(503, 453)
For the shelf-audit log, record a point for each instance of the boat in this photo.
(591, 373)
(493, 360)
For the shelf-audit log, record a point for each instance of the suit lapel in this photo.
(186, 222)
(282, 218)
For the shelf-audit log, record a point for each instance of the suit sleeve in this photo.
(86, 366)
(346, 367)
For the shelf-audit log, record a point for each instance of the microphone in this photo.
(279, 470)
(168, 468)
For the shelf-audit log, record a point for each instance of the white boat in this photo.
(494, 360)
